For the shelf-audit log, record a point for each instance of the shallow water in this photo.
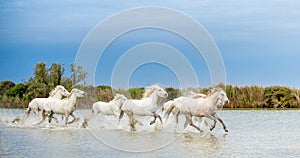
(263, 133)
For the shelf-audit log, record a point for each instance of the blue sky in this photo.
(258, 40)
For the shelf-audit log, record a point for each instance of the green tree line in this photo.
(45, 79)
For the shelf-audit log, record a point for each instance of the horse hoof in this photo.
(151, 123)
(226, 130)
(84, 125)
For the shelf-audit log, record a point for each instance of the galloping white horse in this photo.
(200, 107)
(107, 108)
(64, 107)
(147, 106)
(36, 103)
(191, 94)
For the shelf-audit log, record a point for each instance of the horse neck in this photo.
(57, 95)
(72, 99)
(118, 103)
(213, 99)
(153, 98)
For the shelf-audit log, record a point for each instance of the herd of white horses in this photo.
(192, 105)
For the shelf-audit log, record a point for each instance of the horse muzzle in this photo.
(166, 95)
(226, 102)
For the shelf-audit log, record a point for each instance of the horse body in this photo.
(109, 108)
(37, 104)
(200, 107)
(147, 106)
(64, 107)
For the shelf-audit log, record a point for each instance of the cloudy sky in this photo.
(258, 40)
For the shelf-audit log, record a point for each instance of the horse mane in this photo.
(149, 90)
(194, 95)
(54, 91)
(118, 96)
(68, 97)
(214, 90)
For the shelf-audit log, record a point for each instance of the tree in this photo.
(55, 74)
(104, 93)
(41, 73)
(173, 93)
(78, 74)
(136, 93)
(17, 91)
(5, 86)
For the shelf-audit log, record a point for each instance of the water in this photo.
(261, 133)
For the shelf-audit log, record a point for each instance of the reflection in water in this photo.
(201, 145)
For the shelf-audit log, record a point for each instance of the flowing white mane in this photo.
(54, 91)
(214, 90)
(195, 95)
(149, 90)
(118, 96)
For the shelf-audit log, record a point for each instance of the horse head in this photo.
(77, 93)
(120, 97)
(221, 97)
(155, 88)
(59, 89)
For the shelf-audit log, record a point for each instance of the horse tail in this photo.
(121, 106)
(169, 110)
(27, 112)
(87, 117)
(121, 115)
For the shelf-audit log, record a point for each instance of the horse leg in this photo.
(36, 112)
(74, 118)
(153, 121)
(44, 115)
(56, 120)
(193, 125)
(66, 119)
(177, 117)
(159, 117)
(215, 121)
(221, 121)
(187, 120)
(132, 122)
(50, 117)
(121, 115)
(27, 112)
(169, 111)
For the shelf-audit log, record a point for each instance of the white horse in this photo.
(200, 107)
(57, 93)
(64, 107)
(107, 108)
(147, 106)
(191, 94)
